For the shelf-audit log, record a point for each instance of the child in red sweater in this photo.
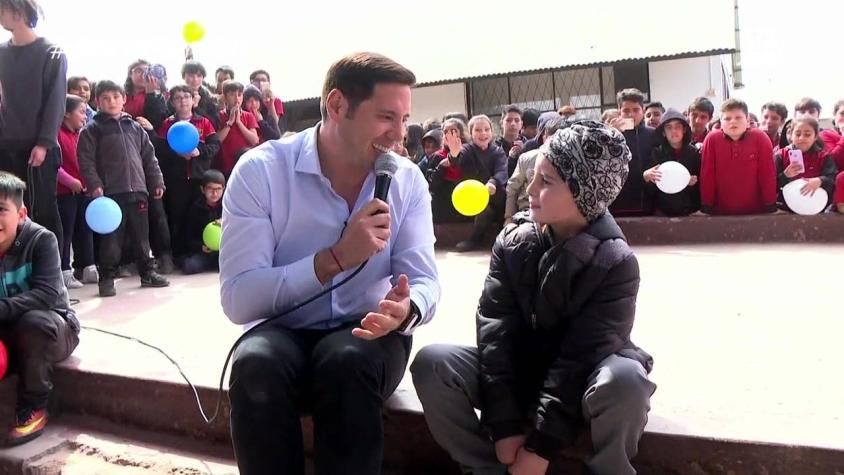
(737, 168)
(817, 168)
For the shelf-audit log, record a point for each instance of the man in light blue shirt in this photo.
(299, 217)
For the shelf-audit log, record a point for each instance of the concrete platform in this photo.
(745, 339)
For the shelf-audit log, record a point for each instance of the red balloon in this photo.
(4, 359)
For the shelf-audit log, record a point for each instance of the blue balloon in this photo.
(183, 137)
(103, 215)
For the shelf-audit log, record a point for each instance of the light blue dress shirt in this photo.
(279, 210)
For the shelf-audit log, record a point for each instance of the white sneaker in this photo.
(69, 281)
(90, 275)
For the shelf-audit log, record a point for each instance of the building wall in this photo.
(677, 82)
(436, 101)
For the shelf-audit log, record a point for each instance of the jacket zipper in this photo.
(126, 154)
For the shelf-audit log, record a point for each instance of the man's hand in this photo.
(393, 310)
(528, 463)
(507, 448)
(366, 234)
(158, 193)
(97, 192)
(37, 155)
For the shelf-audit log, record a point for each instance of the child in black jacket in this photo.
(206, 209)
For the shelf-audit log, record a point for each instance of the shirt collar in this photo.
(307, 161)
(730, 139)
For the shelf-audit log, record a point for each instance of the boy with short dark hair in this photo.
(239, 128)
(737, 175)
(700, 113)
(511, 139)
(807, 106)
(193, 73)
(118, 160)
(206, 209)
(632, 201)
(773, 119)
(37, 324)
(183, 173)
(530, 123)
(33, 74)
(261, 80)
(267, 123)
(653, 114)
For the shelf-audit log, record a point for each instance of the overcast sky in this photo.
(789, 49)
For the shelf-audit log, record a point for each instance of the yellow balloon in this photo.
(470, 197)
(193, 31)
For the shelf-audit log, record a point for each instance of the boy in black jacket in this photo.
(37, 324)
(674, 143)
(117, 160)
(553, 324)
(206, 209)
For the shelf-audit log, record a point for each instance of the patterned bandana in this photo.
(592, 159)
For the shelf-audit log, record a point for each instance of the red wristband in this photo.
(336, 261)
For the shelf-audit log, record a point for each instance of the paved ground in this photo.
(746, 338)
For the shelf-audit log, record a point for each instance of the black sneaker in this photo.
(165, 264)
(154, 279)
(467, 245)
(107, 288)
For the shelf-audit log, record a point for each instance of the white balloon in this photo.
(805, 205)
(675, 177)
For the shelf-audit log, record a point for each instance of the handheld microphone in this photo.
(385, 168)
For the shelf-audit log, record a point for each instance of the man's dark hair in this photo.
(256, 73)
(105, 86)
(356, 75)
(702, 104)
(777, 108)
(630, 95)
(655, 104)
(73, 81)
(734, 104)
(193, 67)
(12, 188)
(232, 86)
(511, 108)
(213, 176)
(806, 104)
(224, 69)
(71, 102)
(28, 8)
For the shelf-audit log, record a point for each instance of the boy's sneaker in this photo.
(69, 281)
(29, 424)
(90, 275)
(165, 264)
(154, 279)
(107, 288)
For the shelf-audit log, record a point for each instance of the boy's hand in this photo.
(205, 249)
(150, 85)
(193, 154)
(652, 175)
(491, 188)
(143, 122)
(97, 192)
(37, 155)
(76, 187)
(158, 193)
(693, 180)
(516, 149)
(507, 448)
(528, 463)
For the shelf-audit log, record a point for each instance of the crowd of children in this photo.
(737, 163)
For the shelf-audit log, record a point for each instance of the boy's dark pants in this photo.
(159, 228)
(180, 195)
(37, 340)
(201, 262)
(76, 232)
(40, 195)
(133, 230)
